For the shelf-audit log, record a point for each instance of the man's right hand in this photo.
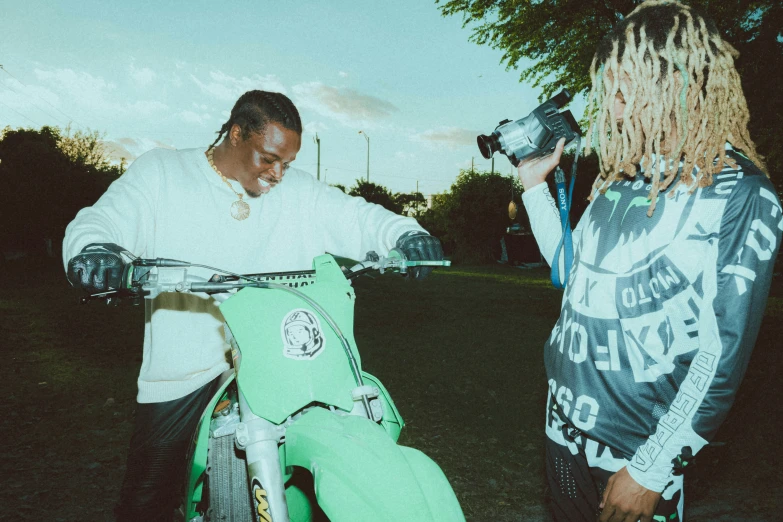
(98, 267)
(535, 171)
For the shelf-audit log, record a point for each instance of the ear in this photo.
(235, 135)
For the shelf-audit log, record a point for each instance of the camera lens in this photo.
(488, 144)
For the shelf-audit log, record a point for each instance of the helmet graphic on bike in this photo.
(302, 335)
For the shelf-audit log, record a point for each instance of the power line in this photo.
(70, 118)
(33, 105)
(20, 114)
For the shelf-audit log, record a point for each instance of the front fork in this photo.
(260, 440)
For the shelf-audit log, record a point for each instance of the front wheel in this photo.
(228, 492)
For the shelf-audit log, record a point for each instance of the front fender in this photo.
(360, 474)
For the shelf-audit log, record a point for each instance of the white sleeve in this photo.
(351, 226)
(545, 222)
(123, 215)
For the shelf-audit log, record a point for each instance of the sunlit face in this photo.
(619, 107)
(619, 99)
(260, 162)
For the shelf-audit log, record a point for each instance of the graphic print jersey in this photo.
(660, 313)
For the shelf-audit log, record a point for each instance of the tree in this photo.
(436, 220)
(561, 36)
(411, 204)
(43, 184)
(476, 211)
(374, 193)
(84, 148)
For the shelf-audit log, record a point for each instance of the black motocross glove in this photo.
(98, 267)
(420, 246)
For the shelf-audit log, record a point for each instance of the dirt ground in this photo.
(460, 355)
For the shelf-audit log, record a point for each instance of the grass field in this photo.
(460, 353)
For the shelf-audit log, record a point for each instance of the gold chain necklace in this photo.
(239, 209)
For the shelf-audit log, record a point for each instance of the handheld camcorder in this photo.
(534, 135)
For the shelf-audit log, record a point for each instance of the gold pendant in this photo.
(240, 210)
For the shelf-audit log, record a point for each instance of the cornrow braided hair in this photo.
(255, 109)
(683, 99)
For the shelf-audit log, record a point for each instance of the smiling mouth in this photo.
(265, 185)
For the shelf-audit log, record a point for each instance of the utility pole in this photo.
(471, 164)
(318, 142)
(493, 164)
(366, 137)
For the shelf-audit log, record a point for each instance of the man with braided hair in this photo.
(672, 267)
(236, 205)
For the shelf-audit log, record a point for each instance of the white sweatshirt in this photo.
(172, 204)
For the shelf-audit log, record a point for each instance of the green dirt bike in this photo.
(297, 404)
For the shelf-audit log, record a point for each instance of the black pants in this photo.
(576, 487)
(155, 474)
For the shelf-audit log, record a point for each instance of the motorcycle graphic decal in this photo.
(302, 335)
(260, 502)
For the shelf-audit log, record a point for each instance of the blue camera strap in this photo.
(566, 244)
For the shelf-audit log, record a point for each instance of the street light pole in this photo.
(366, 137)
(318, 142)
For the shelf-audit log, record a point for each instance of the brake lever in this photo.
(114, 296)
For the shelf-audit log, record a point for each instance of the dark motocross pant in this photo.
(155, 474)
(577, 474)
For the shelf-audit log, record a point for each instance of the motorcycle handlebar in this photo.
(149, 285)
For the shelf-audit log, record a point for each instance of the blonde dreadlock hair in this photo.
(683, 99)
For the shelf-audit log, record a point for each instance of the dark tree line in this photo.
(470, 218)
(46, 177)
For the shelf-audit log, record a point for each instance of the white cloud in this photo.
(194, 117)
(131, 148)
(79, 87)
(94, 96)
(451, 137)
(142, 77)
(344, 105)
(404, 156)
(229, 88)
(315, 126)
(148, 107)
(27, 103)
(343, 74)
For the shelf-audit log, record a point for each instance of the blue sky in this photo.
(166, 73)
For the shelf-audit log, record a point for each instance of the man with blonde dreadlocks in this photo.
(672, 267)
(190, 205)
